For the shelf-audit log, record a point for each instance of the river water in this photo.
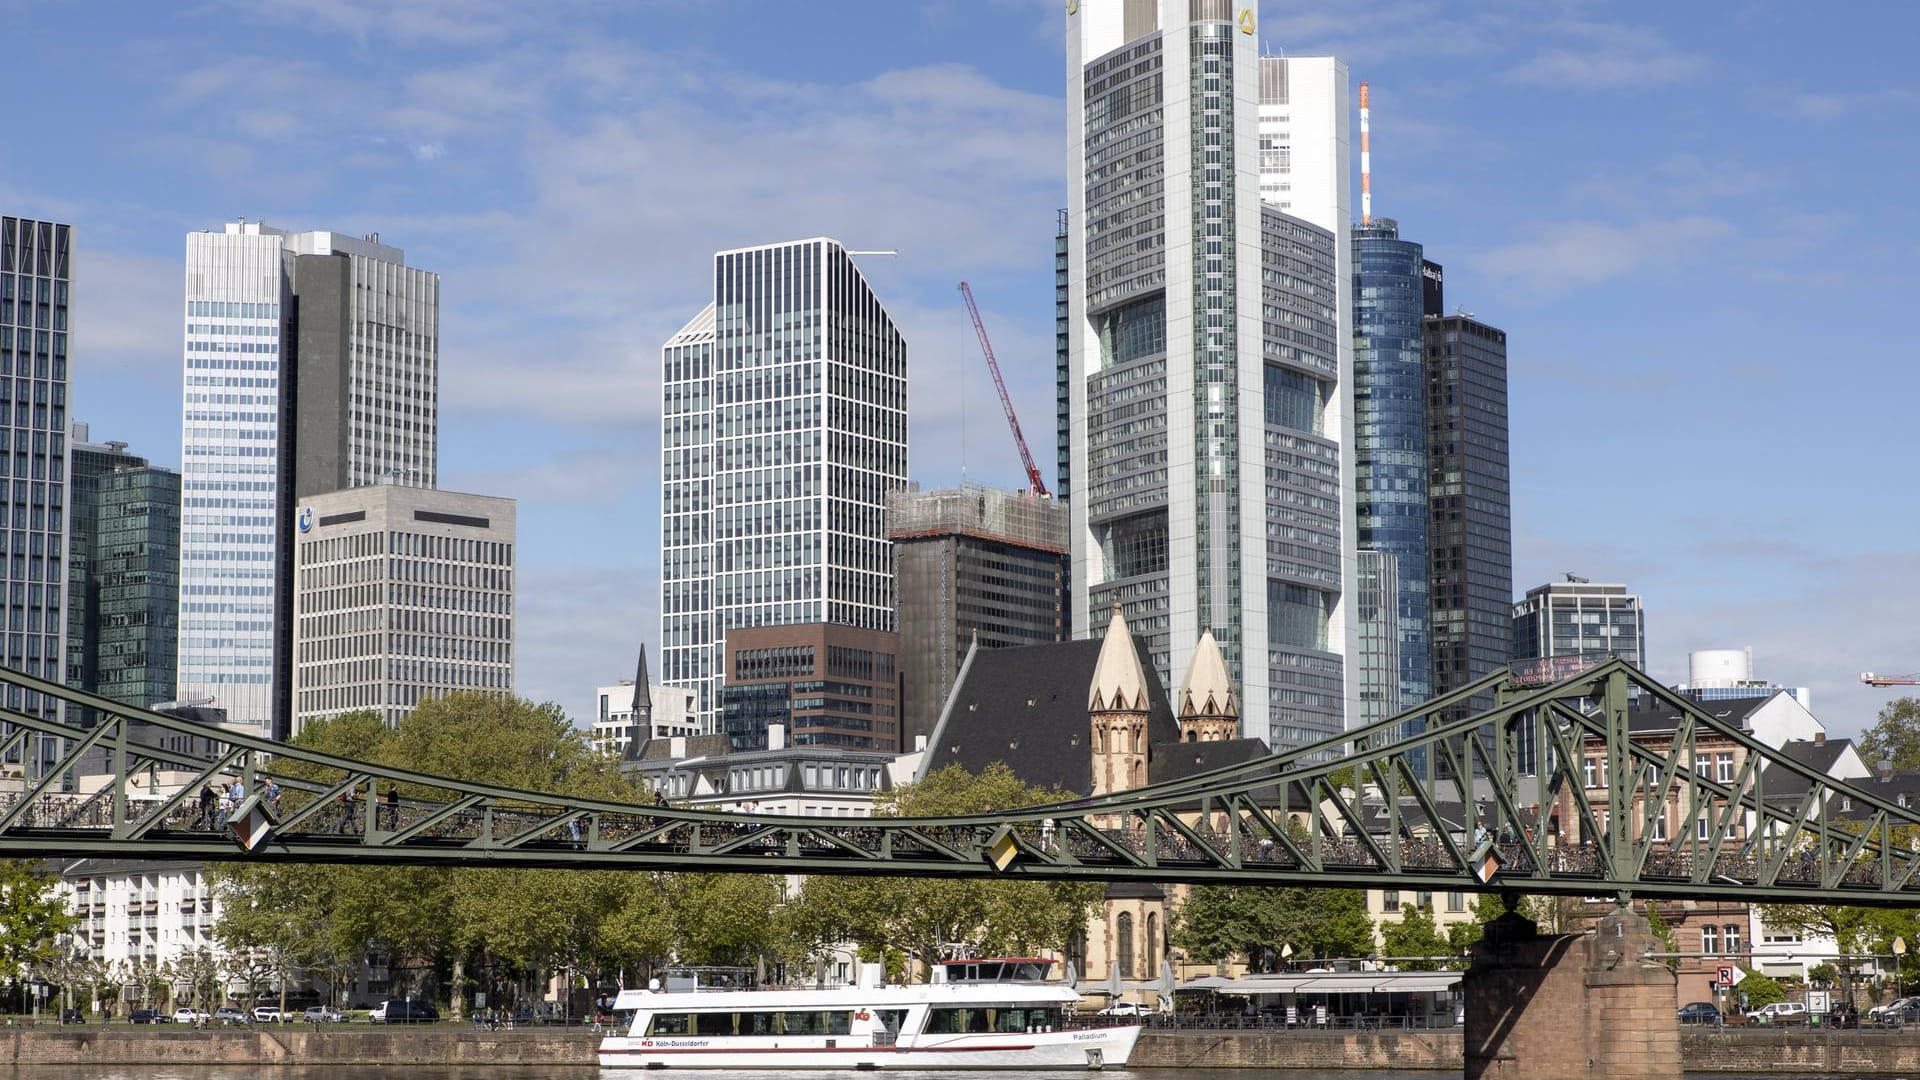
(594, 1073)
(588, 1072)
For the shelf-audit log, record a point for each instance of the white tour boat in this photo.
(977, 1014)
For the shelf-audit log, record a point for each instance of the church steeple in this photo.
(1117, 710)
(1207, 708)
(1118, 680)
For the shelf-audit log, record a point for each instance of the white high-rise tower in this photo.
(784, 426)
(312, 365)
(1209, 357)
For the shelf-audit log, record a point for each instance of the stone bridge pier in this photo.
(1570, 1006)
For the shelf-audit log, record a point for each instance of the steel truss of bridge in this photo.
(1521, 797)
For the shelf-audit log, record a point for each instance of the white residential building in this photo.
(784, 426)
(1209, 352)
(340, 325)
(140, 915)
(401, 594)
(674, 715)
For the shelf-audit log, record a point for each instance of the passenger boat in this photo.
(977, 1014)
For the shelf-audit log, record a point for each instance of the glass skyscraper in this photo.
(311, 365)
(36, 273)
(1208, 397)
(1470, 537)
(784, 426)
(1390, 449)
(123, 585)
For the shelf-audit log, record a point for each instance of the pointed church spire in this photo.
(1119, 683)
(642, 694)
(1207, 690)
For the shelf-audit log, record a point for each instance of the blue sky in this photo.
(1696, 224)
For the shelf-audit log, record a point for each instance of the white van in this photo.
(1780, 1012)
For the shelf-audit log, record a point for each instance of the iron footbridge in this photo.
(1543, 792)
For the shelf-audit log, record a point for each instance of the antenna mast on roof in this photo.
(1366, 163)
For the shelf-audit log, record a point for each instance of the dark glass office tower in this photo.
(35, 274)
(1471, 526)
(123, 583)
(1390, 448)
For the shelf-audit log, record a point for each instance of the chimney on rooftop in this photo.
(1819, 738)
(1884, 769)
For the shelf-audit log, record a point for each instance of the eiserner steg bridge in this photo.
(1508, 784)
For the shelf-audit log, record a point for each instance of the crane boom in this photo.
(986, 347)
(1871, 679)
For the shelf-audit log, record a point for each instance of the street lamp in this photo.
(1899, 974)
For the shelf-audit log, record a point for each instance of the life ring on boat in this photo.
(862, 1015)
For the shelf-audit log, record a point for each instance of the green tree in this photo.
(926, 916)
(32, 917)
(1218, 922)
(1415, 935)
(1894, 736)
(1761, 990)
(1854, 930)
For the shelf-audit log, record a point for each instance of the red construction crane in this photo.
(1026, 456)
(1911, 679)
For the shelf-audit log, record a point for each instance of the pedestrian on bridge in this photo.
(207, 800)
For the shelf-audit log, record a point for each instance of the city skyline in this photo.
(1613, 208)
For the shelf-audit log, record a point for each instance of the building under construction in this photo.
(970, 561)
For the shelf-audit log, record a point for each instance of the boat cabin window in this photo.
(1020, 970)
(789, 1022)
(989, 1018)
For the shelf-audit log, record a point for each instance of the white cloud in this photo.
(1558, 257)
(579, 627)
(1832, 105)
(1600, 56)
(126, 311)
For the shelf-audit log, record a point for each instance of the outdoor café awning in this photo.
(1340, 982)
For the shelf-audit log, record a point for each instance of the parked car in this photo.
(1700, 1012)
(72, 1016)
(324, 1014)
(149, 1016)
(1779, 1012)
(266, 1014)
(396, 1011)
(1899, 1014)
(190, 1016)
(1875, 1014)
(1126, 1008)
(227, 1014)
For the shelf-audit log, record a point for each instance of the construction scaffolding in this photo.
(1010, 517)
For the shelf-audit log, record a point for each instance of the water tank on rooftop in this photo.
(1719, 667)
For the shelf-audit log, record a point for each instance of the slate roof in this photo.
(1659, 716)
(1778, 782)
(1027, 706)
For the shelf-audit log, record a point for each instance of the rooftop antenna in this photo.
(1366, 163)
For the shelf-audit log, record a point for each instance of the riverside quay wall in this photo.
(1783, 1051)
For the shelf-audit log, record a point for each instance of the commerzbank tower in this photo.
(1208, 359)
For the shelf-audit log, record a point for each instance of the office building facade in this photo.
(1469, 490)
(784, 426)
(1390, 445)
(401, 594)
(1578, 618)
(123, 582)
(36, 278)
(971, 564)
(822, 684)
(311, 366)
(1207, 394)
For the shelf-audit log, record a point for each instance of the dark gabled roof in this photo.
(1659, 716)
(1027, 706)
(1902, 788)
(1168, 762)
(1779, 782)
